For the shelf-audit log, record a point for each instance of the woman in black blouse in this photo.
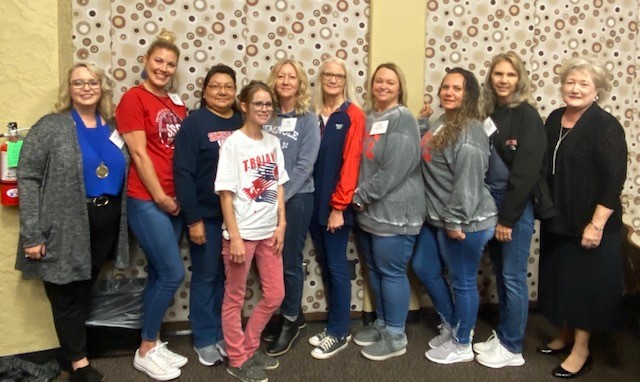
(580, 262)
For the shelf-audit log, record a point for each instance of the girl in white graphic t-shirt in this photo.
(250, 182)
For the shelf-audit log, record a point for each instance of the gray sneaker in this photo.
(446, 334)
(450, 352)
(209, 355)
(222, 348)
(263, 361)
(388, 346)
(248, 372)
(370, 335)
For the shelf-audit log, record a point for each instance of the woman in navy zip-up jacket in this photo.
(335, 177)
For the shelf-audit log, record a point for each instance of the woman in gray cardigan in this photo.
(71, 173)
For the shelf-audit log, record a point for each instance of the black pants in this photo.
(71, 303)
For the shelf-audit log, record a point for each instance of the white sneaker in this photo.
(484, 347)
(174, 358)
(155, 365)
(450, 352)
(499, 356)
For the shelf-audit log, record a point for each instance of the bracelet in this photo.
(599, 229)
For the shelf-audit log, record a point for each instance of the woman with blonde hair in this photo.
(335, 177)
(299, 132)
(148, 118)
(72, 216)
(517, 180)
(391, 206)
(580, 262)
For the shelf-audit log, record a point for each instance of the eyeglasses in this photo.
(262, 105)
(218, 87)
(79, 84)
(329, 76)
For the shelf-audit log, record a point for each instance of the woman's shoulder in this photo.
(527, 110)
(474, 133)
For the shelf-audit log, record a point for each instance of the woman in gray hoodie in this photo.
(461, 214)
(391, 204)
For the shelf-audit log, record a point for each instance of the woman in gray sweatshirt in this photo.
(461, 214)
(391, 205)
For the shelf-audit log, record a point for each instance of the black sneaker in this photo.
(271, 332)
(290, 331)
(248, 372)
(329, 346)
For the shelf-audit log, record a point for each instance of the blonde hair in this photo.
(348, 92)
(105, 103)
(402, 94)
(166, 40)
(599, 73)
(303, 96)
(468, 111)
(524, 88)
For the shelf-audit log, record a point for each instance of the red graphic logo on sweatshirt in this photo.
(219, 136)
(368, 144)
(426, 148)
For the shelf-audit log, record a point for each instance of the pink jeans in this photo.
(241, 345)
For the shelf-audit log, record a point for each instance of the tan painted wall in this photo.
(31, 59)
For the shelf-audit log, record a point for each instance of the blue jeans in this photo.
(331, 254)
(510, 267)
(158, 234)
(298, 209)
(463, 258)
(428, 265)
(387, 259)
(207, 286)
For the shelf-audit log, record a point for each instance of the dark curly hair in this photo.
(457, 122)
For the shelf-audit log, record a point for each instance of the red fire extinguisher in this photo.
(8, 178)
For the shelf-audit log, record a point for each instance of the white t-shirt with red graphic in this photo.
(252, 170)
(160, 118)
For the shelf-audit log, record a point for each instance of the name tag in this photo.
(288, 125)
(489, 126)
(116, 138)
(175, 99)
(379, 127)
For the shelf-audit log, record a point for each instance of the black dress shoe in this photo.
(560, 372)
(288, 334)
(86, 374)
(546, 350)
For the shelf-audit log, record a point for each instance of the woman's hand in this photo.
(236, 250)
(456, 234)
(278, 235)
(426, 111)
(335, 221)
(591, 237)
(169, 205)
(197, 233)
(503, 233)
(36, 252)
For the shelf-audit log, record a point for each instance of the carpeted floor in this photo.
(617, 359)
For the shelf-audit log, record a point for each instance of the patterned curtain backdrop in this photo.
(545, 34)
(248, 35)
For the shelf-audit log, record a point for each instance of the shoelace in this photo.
(164, 351)
(327, 342)
(154, 357)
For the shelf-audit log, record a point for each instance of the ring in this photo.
(27, 256)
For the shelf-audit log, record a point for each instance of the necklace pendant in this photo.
(102, 171)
